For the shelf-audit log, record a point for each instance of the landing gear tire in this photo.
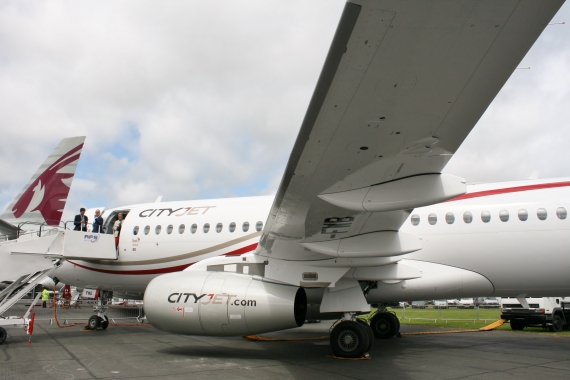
(557, 324)
(517, 325)
(94, 322)
(369, 332)
(349, 339)
(385, 325)
(3, 335)
(104, 322)
(397, 323)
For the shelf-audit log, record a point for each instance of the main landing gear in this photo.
(351, 338)
(385, 325)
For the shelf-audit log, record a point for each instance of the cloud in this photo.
(205, 99)
(525, 128)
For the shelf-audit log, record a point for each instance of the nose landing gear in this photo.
(100, 320)
(96, 321)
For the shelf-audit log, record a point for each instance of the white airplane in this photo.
(363, 214)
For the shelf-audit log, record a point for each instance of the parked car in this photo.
(452, 302)
(440, 304)
(419, 305)
(466, 303)
(489, 302)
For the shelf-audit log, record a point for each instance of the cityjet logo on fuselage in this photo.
(176, 212)
(214, 299)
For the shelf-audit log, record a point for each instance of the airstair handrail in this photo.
(42, 225)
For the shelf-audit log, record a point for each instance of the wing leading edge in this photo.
(403, 84)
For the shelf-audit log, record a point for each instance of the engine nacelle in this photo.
(222, 304)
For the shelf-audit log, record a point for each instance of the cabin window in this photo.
(432, 219)
(245, 226)
(146, 230)
(523, 214)
(259, 226)
(449, 218)
(219, 227)
(504, 215)
(541, 213)
(169, 229)
(181, 228)
(232, 227)
(486, 216)
(415, 219)
(206, 228)
(136, 230)
(194, 228)
(467, 217)
(561, 213)
(157, 229)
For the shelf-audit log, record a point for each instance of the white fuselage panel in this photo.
(513, 256)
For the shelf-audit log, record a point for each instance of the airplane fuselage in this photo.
(158, 238)
(502, 239)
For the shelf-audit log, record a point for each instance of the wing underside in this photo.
(402, 86)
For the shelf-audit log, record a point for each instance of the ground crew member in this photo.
(45, 297)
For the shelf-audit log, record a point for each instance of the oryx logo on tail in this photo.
(47, 191)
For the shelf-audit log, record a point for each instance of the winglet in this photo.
(43, 198)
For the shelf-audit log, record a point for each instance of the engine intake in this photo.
(222, 304)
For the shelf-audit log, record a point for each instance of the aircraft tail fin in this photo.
(43, 198)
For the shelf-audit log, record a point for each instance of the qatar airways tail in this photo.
(43, 198)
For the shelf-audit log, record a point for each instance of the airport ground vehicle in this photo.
(549, 312)
(440, 304)
(466, 303)
(489, 303)
(419, 304)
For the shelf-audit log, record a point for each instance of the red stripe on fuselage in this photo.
(241, 251)
(178, 268)
(510, 190)
(140, 272)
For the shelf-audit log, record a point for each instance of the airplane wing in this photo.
(402, 86)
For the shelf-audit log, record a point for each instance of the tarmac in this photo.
(144, 352)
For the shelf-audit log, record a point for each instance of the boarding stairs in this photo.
(58, 243)
(21, 287)
(15, 292)
(32, 258)
(34, 252)
(36, 255)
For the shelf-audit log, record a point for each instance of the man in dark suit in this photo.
(80, 221)
(98, 223)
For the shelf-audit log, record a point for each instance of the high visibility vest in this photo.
(45, 295)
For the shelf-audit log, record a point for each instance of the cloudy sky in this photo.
(203, 99)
